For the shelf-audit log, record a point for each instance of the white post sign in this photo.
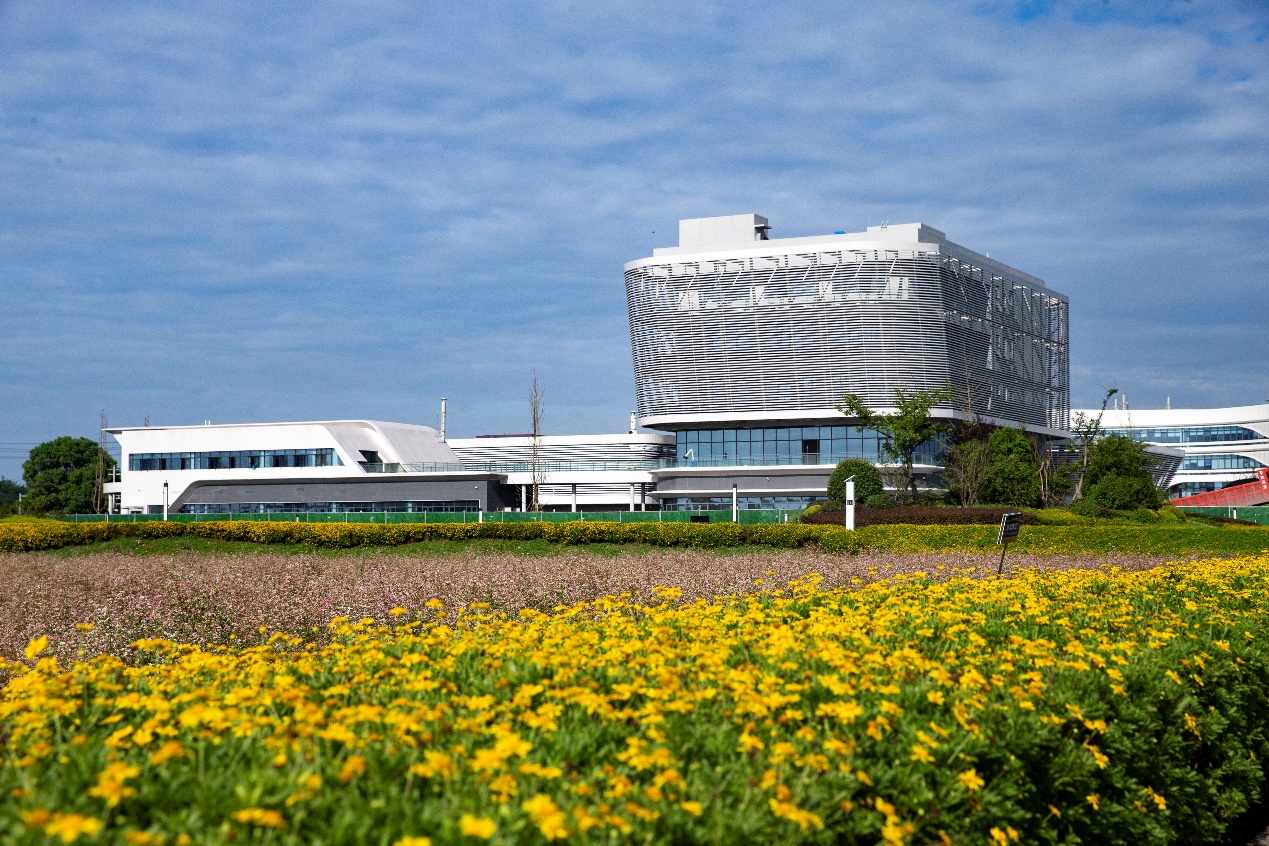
(849, 505)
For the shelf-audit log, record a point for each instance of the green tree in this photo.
(9, 491)
(1118, 475)
(867, 480)
(904, 431)
(61, 475)
(1013, 476)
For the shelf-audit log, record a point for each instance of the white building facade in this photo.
(365, 465)
(744, 344)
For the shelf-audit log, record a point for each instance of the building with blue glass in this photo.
(1219, 446)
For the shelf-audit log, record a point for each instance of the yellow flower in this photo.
(266, 817)
(1092, 799)
(971, 780)
(88, 627)
(398, 611)
(549, 818)
(69, 827)
(481, 827)
(143, 838)
(353, 767)
(169, 750)
(413, 841)
(693, 808)
(34, 648)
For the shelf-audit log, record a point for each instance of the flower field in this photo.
(1054, 707)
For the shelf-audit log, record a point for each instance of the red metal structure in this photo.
(1255, 492)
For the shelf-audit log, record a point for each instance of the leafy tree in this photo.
(61, 475)
(9, 491)
(1013, 477)
(867, 480)
(1118, 475)
(904, 431)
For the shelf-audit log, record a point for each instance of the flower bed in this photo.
(1083, 706)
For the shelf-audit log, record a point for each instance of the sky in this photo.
(246, 212)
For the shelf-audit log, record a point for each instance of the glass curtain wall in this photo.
(789, 445)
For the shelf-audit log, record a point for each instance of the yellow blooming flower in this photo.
(69, 827)
(971, 780)
(353, 767)
(481, 827)
(550, 820)
(265, 817)
(413, 841)
(34, 648)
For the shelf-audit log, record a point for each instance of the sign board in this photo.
(1009, 525)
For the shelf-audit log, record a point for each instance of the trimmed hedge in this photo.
(1158, 539)
(30, 537)
(920, 515)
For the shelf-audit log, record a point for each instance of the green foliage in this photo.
(1013, 476)
(904, 431)
(879, 501)
(1118, 475)
(9, 491)
(1157, 538)
(867, 480)
(813, 509)
(61, 475)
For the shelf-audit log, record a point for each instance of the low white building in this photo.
(1219, 446)
(366, 465)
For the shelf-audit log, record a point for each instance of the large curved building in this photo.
(744, 344)
(733, 326)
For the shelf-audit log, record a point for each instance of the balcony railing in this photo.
(641, 464)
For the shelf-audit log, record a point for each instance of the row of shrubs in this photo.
(19, 537)
(1072, 540)
(919, 515)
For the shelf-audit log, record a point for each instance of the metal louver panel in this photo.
(795, 332)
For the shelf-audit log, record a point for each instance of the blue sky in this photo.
(252, 212)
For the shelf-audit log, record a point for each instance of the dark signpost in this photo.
(1009, 525)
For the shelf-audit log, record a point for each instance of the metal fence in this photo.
(747, 517)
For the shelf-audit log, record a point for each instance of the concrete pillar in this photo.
(574, 497)
(735, 505)
(524, 498)
(632, 497)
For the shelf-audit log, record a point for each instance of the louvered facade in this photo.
(780, 330)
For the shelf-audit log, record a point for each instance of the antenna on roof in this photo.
(442, 418)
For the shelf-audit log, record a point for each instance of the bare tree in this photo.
(536, 395)
(1086, 431)
(965, 468)
(99, 482)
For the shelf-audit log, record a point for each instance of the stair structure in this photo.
(1255, 492)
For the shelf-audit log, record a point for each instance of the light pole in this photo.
(165, 502)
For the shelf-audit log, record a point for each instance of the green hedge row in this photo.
(37, 536)
(1050, 540)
